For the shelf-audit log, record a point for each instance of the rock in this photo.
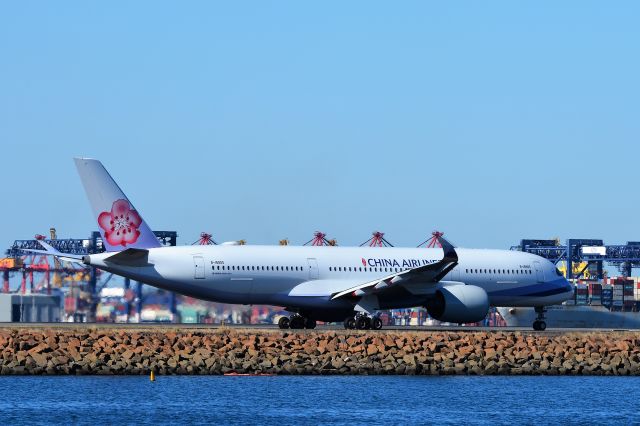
(39, 359)
(337, 363)
(107, 351)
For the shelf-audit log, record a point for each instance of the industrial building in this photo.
(30, 308)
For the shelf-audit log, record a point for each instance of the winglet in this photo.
(448, 249)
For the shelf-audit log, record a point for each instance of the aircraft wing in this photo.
(433, 272)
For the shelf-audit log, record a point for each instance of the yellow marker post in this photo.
(152, 377)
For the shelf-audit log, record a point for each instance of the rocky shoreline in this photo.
(25, 351)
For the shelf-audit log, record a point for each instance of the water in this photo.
(309, 400)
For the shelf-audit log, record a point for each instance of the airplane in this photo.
(331, 284)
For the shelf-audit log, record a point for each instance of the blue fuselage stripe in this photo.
(536, 290)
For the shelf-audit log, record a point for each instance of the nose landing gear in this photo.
(539, 324)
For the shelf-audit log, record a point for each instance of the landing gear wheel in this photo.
(350, 323)
(296, 322)
(309, 323)
(283, 323)
(363, 323)
(539, 324)
(376, 323)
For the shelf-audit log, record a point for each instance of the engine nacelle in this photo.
(459, 303)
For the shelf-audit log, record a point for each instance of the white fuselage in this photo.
(304, 277)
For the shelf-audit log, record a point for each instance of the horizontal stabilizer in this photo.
(130, 257)
(49, 250)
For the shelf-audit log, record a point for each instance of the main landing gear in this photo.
(539, 324)
(362, 322)
(296, 322)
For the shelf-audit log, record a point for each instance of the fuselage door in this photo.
(198, 265)
(313, 268)
(539, 272)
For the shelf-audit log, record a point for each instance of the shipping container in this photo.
(70, 304)
(11, 263)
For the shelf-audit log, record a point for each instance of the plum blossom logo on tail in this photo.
(120, 224)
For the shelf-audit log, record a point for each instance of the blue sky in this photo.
(491, 121)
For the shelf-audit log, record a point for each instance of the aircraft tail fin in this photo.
(121, 226)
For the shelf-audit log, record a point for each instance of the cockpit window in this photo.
(558, 272)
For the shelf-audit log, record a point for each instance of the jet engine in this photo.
(459, 303)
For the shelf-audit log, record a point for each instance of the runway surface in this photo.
(273, 327)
